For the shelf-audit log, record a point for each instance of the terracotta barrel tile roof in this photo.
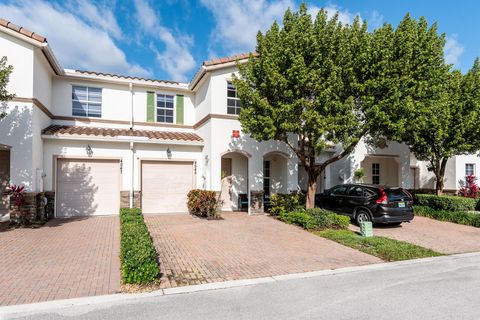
(104, 74)
(114, 132)
(22, 30)
(234, 58)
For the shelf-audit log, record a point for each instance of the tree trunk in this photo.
(439, 176)
(312, 188)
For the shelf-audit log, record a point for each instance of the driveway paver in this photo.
(443, 237)
(64, 259)
(195, 251)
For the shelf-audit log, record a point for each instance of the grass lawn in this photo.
(381, 247)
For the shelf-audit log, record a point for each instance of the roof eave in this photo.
(120, 139)
(205, 69)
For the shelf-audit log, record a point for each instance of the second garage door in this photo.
(87, 187)
(165, 186)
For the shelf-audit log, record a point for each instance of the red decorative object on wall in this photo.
(235, 133)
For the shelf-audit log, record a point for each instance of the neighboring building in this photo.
(94, 142)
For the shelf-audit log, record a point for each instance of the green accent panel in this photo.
(180, 109)
(150, 106)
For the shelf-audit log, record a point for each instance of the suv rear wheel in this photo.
(362, 216)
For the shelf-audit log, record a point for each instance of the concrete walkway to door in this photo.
(195, 251)
(66, 258)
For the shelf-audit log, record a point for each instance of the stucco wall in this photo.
(42, 79)
(116, 100)
(20, 55)
(16, 131)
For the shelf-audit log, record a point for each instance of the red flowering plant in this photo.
(470, 188)
(17, 194)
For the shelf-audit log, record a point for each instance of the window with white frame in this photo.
(375, 173)
(86, 101)
(233, 101)
(469, 169)
(165, 108)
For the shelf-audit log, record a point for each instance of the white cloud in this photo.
(375, 20)
(344, 16)
(237, 22)
(77, 42)
(453, 50)
(99, 16)
(175, 58)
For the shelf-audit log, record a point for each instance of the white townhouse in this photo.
(93, 142)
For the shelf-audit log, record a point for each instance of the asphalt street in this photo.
(442, 288)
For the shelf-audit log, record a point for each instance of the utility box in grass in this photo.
(366, 229)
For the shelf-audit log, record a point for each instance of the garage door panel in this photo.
(88, 187)
(165, 186)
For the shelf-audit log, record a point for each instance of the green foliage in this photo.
(203, 203)
(138, 256)
(304, 82)
(449, 203)
(359, 174)
(286, 202)
(299, 218)
(5, 71)
(315, 219)
(459, 217)
(385, 248)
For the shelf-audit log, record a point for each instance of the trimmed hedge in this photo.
(449, 203)
(203, 203)
(138, 256)
(315, 219)
(459, 217)
(281, 203)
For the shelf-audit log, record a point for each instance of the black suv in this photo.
(369, 203)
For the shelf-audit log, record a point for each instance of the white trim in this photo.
(120, 139)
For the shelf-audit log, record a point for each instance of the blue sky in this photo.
(169, 39)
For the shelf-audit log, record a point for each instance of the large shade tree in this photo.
(302, 88)
(450, 127)
(5, 71)
(317, 82)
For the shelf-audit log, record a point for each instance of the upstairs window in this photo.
(233, 102)
(165, 108)
(469, 169)
(86, 101)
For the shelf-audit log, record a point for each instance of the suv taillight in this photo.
(383, 197)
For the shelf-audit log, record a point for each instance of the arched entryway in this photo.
(275, 175)
(381, 170)
(234, 181)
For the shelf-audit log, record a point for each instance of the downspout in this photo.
(132, 149)
(130, 86)
(133, 174)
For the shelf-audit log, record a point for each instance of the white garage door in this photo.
(165, 186)
(87, 187)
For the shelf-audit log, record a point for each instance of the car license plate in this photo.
(401, 204)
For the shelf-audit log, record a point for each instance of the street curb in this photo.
(25, 309)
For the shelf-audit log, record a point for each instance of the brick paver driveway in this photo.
(194, 251)
(444, 237)
(63, 259)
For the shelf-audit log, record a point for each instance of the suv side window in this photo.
(355, 191)
(368, 193)
(340, 190)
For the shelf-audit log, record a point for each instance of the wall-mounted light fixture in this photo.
(169, 153)
(89, 150)
(206, 159)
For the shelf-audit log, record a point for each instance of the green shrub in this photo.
(299, 218)
(286, 202)
(138, 256)
(203, 203)
(450, 203)
(315, 219)
(459, 217)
